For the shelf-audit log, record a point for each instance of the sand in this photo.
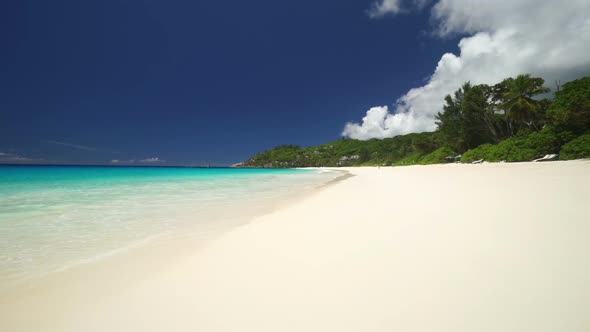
(491, 247)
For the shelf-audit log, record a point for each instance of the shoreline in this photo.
(470, 247)
(135, 259)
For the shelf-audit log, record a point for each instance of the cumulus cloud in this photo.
(506, 38)
(384, 7)
(380, 123)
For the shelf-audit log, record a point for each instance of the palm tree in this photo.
(517, 99)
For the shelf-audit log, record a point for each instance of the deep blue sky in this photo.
(197, 81)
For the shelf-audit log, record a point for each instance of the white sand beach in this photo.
(491, 247)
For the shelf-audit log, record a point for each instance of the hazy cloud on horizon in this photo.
(152, 160)
(14, 158)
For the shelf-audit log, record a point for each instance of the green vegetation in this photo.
(480, 153)
(438, 156)
(577, 148)
(413, 159)
(347, 152)
(524, 146)
(504, 122)
(571, 108)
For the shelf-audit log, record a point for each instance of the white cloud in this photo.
(381, 8)
(132, 161)
(507, 38)
(379, 123)
(118, 161)
(152, 160)
(14, 158)
(19, 158)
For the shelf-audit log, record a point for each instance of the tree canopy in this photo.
(507, 121)
(571, 108)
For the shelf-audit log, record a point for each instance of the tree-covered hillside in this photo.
(347, 152)
(504, 122)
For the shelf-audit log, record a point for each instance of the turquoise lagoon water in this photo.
(55, 217)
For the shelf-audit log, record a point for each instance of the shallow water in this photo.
(56, 217)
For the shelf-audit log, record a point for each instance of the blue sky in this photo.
(192, 82)
(197, 81)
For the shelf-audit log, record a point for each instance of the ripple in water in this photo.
(52, 218)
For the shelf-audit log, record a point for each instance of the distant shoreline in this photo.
(114, 165)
